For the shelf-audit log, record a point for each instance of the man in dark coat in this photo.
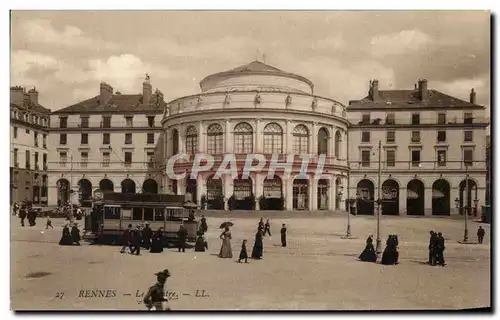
(480, 234)
(136, 241)
(261, 225)
(283, 235)
(126, 237)
(432, 248)
(203, 224)
(75, 235)
(147, 233)
(155, 297)
(267, 228)
(182, 234)
(440, 249)
(22, 215)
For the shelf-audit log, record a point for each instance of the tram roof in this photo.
(143, 198)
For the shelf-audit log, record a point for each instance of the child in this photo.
(243, 253)
(49, 223)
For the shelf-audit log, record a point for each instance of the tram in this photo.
(112, 214)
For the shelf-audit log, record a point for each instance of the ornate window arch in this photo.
(323, 141)
(300, 139)
(175, 142)
(243, 138)
(273, 138)
(215, 138)
(338, 142)
(191, 140)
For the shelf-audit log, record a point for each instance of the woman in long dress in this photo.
(200, 244)
(368, 253)
(258, 245)
(157, 242)
(225, 249)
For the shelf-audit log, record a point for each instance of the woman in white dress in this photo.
(225, 250)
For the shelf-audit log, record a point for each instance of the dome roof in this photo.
(223, 80)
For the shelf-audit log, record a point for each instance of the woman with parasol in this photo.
(225, 250)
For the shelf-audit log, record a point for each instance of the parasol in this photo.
(226, 224)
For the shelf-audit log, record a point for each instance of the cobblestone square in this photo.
(317, 271)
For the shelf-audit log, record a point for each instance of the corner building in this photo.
(259, 109)
(430, 142)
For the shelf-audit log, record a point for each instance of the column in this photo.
(182, 139)
(228, 142)
(228, 189)
(428, 202)
(314, 194)
(310, 194)
(288, 186)
(201, 137)
(165, 147)
(256, 137)
(199, 188)
(314, 138)
(287, 141)
(403, 194)
(344, 147)
(257, 189)
(181, 186)
(454, 194)
(332, 194)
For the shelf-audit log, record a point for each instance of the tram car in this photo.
(112, 214)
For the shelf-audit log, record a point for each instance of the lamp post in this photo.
(379, 246)
(476, 203)
(466, 207)
(348, 201)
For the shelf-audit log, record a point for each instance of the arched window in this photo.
(214, 136)
(175, 142)
(300, 140)
(243, 138)
(322, 141)
(338, 140)
(191, 140)
(273, 138)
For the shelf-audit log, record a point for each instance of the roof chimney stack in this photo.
(17, 95)
(33, 94)
(422, 89)
(106, 93)
(147, 90)
(472, 96)
(374, 90)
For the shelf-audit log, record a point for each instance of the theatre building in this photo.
(429, 143)
(257, 108)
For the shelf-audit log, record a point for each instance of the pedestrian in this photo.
(75, 235)
(203, 224)
(147, 233)
(136, 241)
(155, 297)
(432, 248)
(267, 228)
(126, 237)
(368, 254)
(49, 223)
(261, 225)
(22, 215)
(440, 249)
(243, 252)
(157, 242)
(182, 235)
(258, 246)
(15, 208)
(200, 244)
(283, 235)
(66, 239)
(225, 249)
(480, 234)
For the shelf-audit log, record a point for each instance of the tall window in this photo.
(36, 161)
(390, 158)
(106, 157)
(415, 118)
(390, 137)
(35, 138)
(441, 118)
(191, 140)
(175, 142)
(128, 158)
(128, 138)
(150, 138)
(365, 158)
(44, 141)
(468, 119)
(273, 138)
(15, 132)
(468, 137)
(338, 141)
(84, 159)
(150, 159)
(441, 158)
(63, 158)
(129, 122)
(28, 164)
(365, 136)
(62, 139)
(300, 140)
(16, 164)
(106, 122)
(390, 119)
(415, 158)
(84, 122)
(322, 141)
(441, 136)
(151, 121)
(468, 157)
(44, 161)
(105, 138)
(63, 122)
(365, 119)
(215, 139)
(243, 138)
(415, 136)
(84, 138)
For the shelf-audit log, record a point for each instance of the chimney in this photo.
(147, 90)
(472, 96)
(422, 89)
(374, 90)
(17, 95)
(106, 93)
(33, 94)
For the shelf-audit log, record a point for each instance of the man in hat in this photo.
(126, 237)
(136, 241)
(156, 293)
(480, 235)
(182, 234)
(147, 233)
(283, 235)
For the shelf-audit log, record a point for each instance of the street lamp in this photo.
(379, 246)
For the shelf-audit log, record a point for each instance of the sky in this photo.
(66, 54)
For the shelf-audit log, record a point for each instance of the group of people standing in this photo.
(390, 255)
(70, 238)
(436, 249)
(25, 210)
(142, 237)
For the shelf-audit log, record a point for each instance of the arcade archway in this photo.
(63, 191)
(467, 197)
(106, 185)
(242, 194)
(415, 198)
(365, 196)
(273, 194)
(390, 197)
(128, 186)
(85, 192)
(191, 187)
(300, 194)
(215, 199)
(441, 198)
(150, 186)
(323, 188)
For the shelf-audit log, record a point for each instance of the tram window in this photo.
(137, 214)
(159, 214)
(112, 213)
(148, 214)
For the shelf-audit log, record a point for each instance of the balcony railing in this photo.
(423, 121)
(417, 165)
(100, 165)
(113, 125)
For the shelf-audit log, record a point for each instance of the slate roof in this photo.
(408, 99)
(119, 103)
(36, 108)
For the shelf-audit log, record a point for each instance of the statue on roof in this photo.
(147, 77)
(288, 100)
